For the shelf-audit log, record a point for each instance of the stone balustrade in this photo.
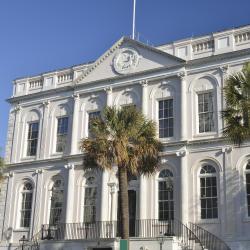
(242, 37)
(36, 84)
(65, 77)
(203, 46)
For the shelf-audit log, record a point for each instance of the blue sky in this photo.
(42, 35)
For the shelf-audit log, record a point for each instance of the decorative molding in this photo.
(76, 96)
(182, 74)
(17, 108)
(108, 90)
(227, 149)
(143, 83)
(39, 171)
(181, 153)
(46, 103)
(11, 174)
(224, 69)
(69, 166)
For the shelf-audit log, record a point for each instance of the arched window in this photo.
(57, 198)
(90, 194)
(248, 187)
(208, 192)
(166, 195)
(26, 204)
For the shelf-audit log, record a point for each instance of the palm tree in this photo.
(126, 139)
(237, 112)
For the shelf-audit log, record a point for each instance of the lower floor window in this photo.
(248, 192)
(90, 204)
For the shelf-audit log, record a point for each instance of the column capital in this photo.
(144, 83)
(17, 108)
(182, 74)
(39, 171)
(69, 166)
(46, 103)
(10, 174)
(75, 96)
(181, 153)
(224, 69)
(108, 90)
(227, 149)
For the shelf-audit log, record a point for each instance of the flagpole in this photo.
(133, 34)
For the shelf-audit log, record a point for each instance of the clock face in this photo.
(126, 61)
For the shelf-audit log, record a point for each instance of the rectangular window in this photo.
(206, 112)
(166, 118)
(26, 209)
(209, 206)
(92, 115)
(248, 192)
(32, 138)
(166, 202)
(62, 132)
(90, 204)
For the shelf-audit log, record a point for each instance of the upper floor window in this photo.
(26, 204)
(208, 192)
(32, 138)
(248, 187)
(206, 112)
(62, 132)
(166, 118)
(92, 115)
(57, 197)
(166, 195)
(90, 195)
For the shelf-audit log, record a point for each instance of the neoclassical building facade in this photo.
(179, 86)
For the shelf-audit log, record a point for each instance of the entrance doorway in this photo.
(132, 211)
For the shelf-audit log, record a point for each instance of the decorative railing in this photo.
(36, 84)
(203, 46)
(208, 240)
(65, 77)
(242, 37)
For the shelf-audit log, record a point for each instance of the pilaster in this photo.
(74, 136)
(144, 85)
(14, 148)
(184, 192)
(70, 193)
(44, 128)
(109, 92)
(183, 106)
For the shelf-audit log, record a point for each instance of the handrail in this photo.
(209, 240)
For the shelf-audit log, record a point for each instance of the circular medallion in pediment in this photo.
(126, 60)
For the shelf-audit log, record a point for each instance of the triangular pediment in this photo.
(127, 57)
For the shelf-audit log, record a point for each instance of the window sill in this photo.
(208, 221)
(167, 139)
(206, 134)
(22, 229)
(28, 158)
(246, 219)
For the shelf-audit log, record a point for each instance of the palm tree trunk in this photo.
(123, 188)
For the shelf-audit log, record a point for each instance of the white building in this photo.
(180, 87)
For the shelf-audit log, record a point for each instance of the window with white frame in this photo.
(90, 195)
(165, 195)
(32, 140)
(56, 204)
(208, 192)
(166, 118)
(92, 115)
(26, 204)
(248, 188)
(206, 112)
(62, 133)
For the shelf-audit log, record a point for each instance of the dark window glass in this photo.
(248, 192)
(93, 115)
(32, 138)
(166, 119)
(206, 112)
(62, 132)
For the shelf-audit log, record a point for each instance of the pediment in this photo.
(127, 57)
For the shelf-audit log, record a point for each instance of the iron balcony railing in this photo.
(208, 240)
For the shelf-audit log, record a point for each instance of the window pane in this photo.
(62, 131)
(205, 112)
(32, 138)
(166, 119)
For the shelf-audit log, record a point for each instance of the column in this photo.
(184, 207)
(7, 233)
(224, 72)
(74, 136)
(16, 129)
(70, 193)
(38, 203)
(45, 120)
(183, 106)
(228, 195)
(104, 216)
(143, 179)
